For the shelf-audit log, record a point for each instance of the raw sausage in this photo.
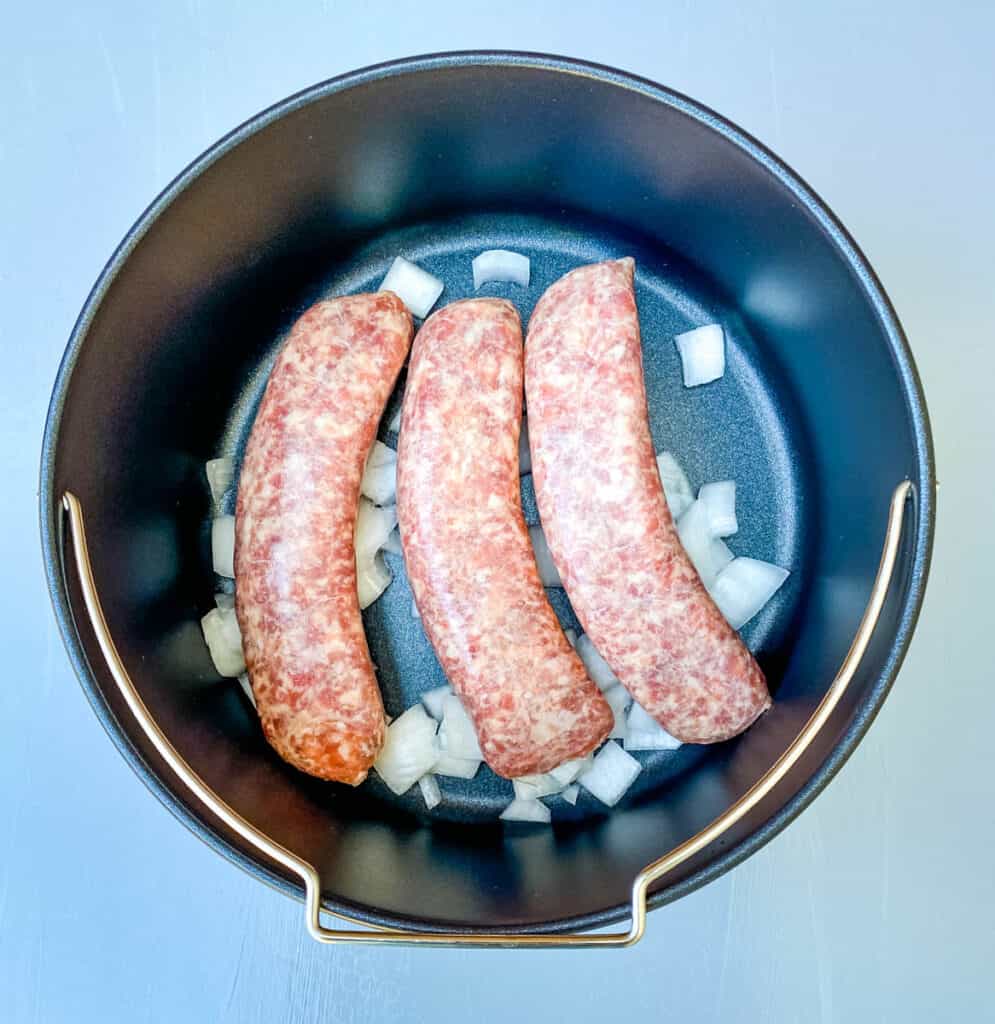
(467, 550)
(295, 564)
(606, 520)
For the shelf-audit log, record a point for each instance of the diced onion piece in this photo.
(708, 554)
(676, 488)
(571, 793)
(416, 288)
(415, 614)
(568, 771)
(744, 586)
(524, 452)
(703, 354)
(243, 681)
(571, 635)
(540, 785)
(226, 602)
(644, 732)
(395, 421)
(392, 544)
(433, 701)
(456, 767)
(372, 579)
(719, 500)
(597, 667)
(526, 810)
(524, 790)
(224, 641)
(410, 750)
(220, 476)
(429, 786)
(223, 545)
(544, 560)
(456, 734)
(373, 527)
(379, 482)
(618, 700)
(500, 265)
(611, 773)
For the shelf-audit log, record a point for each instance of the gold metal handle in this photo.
(640, 887)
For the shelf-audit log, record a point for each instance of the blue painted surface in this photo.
(877, 904)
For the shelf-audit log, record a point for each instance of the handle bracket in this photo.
(640, 887)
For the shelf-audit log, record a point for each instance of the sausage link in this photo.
(298, 496)
(609, 530)
(467, 550)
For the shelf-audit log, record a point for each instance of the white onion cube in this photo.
(223, 545)
(568, 771)
(457, 734)
(703, 354)
(618, 700)
(456, 767)
(410, 750)
(429, 786)
(226, 602)
(392, 544)
(220, 476)
(395, 421)
(433, 701)
(416, 288)
(744, 586)
(373, 527)
(676, 487)
(708, 554)
(537, 785)
(644, 732)
(372, 579)
(611, 773)
(243, 681)
(526, 810)
(571, 793)
(501, 265)
(544, 560)
(719, 499)
(379, 482)
(224, 641)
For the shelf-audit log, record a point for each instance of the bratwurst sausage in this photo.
(609, 530)
(469, 560)
(298, 496)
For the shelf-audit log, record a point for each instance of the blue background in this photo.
(878, 903)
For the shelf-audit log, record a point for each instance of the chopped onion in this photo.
(223, 545)
(744, 586)
(597, 667)
(433, 701)
(544, 560)
(708, 554)
(372, 579)
(569, 770)
(618, 700)
(526, 810)
(524, 453)
(429, 786)
(457, 736)
(243, 681)
(226, 602)
(611, 773)
(395, 421)
(410, 750)
(719, 500)
(224, 641)
(415, 287)
(702, 354)
(535, 786)
(373, 527)
(220, 476)
(571, 635)
(500, 265)
(379, 482)
(456, 767)
(676, 488)
(393, 543)
(571, 793)
(644, 732)
(415, 614)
